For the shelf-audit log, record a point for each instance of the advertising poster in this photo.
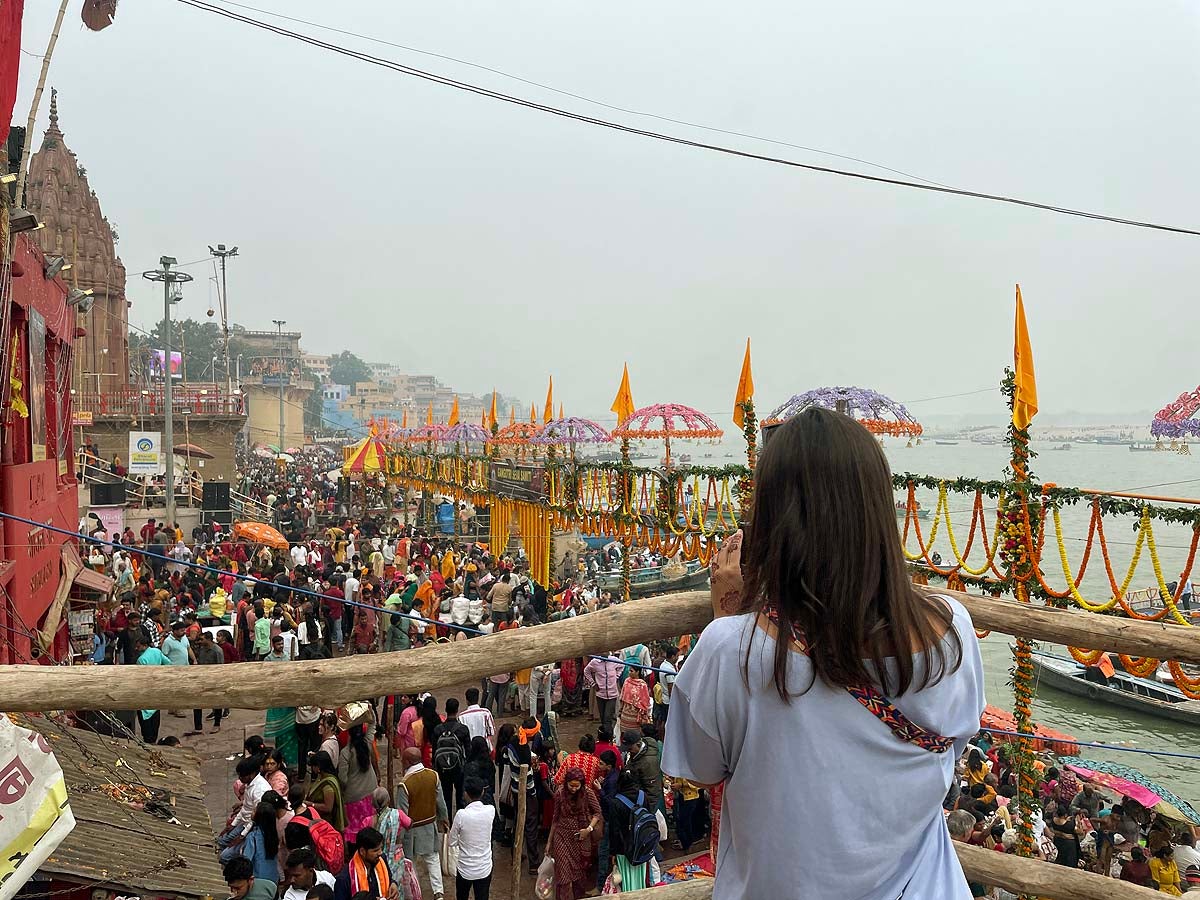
(144, 449)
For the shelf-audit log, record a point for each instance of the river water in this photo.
(1113, 468)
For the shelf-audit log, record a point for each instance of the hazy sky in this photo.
(494, 245)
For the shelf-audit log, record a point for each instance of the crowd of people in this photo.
(1076, 824)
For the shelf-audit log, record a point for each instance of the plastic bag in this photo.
(612, 884)
(543, 888)
(410, 886)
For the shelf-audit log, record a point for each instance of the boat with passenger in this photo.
(1105, 683)
(646, 582)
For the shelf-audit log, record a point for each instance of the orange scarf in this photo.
(524, 734)
(359, 880)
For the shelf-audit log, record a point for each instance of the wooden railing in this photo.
(333, 682)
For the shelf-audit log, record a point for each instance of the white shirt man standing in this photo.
(471, 836)
(478, 720)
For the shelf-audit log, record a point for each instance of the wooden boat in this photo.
(902, 511)
(646, 582)
(1062, 447)
(1117, 690)
(946, 443)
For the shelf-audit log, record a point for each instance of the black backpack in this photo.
(447, 752)
(643, 830)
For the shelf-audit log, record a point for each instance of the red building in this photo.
(37, 480)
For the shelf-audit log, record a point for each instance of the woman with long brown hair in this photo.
(837, 743)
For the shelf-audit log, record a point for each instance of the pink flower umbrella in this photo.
(434, 434)
(466, 433)
(666, 421)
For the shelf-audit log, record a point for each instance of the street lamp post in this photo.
(169, 279)
(279, 323)
(222, 254)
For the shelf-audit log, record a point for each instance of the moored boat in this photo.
(1118, 689)
(646, 582)
(902, 510)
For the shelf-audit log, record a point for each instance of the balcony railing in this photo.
(185, 401)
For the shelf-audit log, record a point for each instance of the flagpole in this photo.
(1020, 390)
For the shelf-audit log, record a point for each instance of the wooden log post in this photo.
(1013, 873)
(519, 832)
(333, 682)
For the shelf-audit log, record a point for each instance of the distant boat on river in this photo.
(946, 443)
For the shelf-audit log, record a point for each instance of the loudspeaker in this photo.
(216, 495)
(108, 494)
(224, 516)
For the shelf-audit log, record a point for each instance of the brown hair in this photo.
(825, 553)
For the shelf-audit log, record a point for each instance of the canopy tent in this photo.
(1129, 782)
(367, 456)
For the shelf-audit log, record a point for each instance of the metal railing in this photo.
(140, 495)
(186, 400)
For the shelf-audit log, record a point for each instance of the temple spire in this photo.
(53, 107)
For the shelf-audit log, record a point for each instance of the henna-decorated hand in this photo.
(725, 572)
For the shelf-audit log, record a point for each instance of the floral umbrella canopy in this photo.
(666, 421)
(570, 431)
(426, 434)
(1178, 419)
(466, 433)
(871, 409)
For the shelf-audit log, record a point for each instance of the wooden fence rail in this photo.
(332, 682)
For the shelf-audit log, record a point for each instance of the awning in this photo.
(92, 580)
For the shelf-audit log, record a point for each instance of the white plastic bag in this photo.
(543, 888)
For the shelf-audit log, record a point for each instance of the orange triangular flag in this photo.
(548, 412)
(491, 419)
(512, 415)
(532, 413)
(429, 416)
(454, 413)
(560, 411)
(1025, 401)
(623, 404)
(745, 391)
(404, 419)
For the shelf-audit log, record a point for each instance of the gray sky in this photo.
(493, 245)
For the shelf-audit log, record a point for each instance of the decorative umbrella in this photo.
(572, 430)
(666, 421)
(1129, 782)
(1178, 419)
(191, 450)
(285, 457)
(427, 434)
(260, 533)
(466, 433)
(871, 409)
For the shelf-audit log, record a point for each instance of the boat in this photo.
(946, 443)
(1120, 689)
(1066, 446)
(1145, 446)
(646, 582)
(902, 510)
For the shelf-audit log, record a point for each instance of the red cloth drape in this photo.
(10, 59)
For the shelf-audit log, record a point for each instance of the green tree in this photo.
(346, 368)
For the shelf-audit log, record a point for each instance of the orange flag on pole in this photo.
(1025, 401)
(429, 415)
(491, 419)
(623, 404)
(532, 413)
(512, 415)
(454, 413)
(745, 391)
(560, 410)
(548, 412)
(404, 418)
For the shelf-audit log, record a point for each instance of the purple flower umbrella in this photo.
(466, 433)
(572, 430)
(1178, 419)
(877, 413)
(666, 421)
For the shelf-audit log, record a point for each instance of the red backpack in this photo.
(326, 839)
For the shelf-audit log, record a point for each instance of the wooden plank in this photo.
(1022, 876)
(333, 682)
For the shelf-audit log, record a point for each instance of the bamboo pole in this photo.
(332, 682)
(1014, 873)
(519, 832)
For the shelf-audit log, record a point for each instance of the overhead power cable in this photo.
(446, 81)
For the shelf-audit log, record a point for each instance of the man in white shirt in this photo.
(301, 875)
(471, 836)
(249, 773)
(299, 555)
(1185, 851)
(478, 720)
(350, 588)
(666, 678)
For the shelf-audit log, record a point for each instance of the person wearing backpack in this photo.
(632, 834)
(451, 740)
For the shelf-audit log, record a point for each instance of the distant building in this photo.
(318, 365)
(275, 367)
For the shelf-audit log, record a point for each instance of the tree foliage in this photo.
(347, 368)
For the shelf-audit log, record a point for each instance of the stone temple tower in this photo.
(57, 192)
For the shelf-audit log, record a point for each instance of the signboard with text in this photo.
(517, 481)
(144, 449)
(83, 417)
